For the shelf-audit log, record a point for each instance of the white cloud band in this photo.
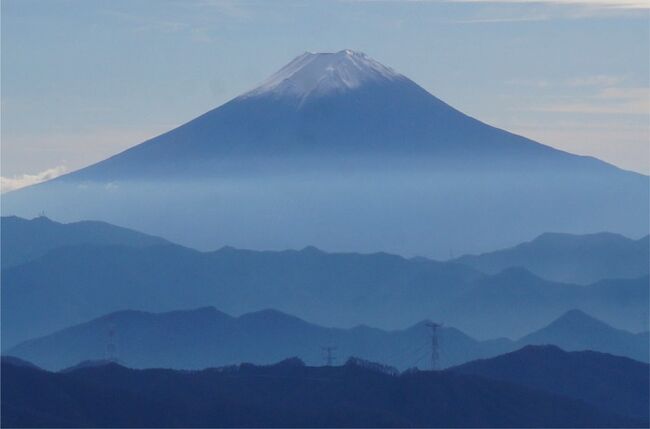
(12, 183)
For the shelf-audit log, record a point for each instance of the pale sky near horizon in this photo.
(82, 80)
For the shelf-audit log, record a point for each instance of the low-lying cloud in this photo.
(12, 183)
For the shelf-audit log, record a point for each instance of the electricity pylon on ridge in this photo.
(328, 355)
(111, 345)
(435, 344)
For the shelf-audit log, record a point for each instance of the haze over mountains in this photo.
(575, 331)
(340, 152)
(357, 394)
(333, 149)
(571, 258)
(24, 240)
(172, 340)
(74, 284)
(514, 301)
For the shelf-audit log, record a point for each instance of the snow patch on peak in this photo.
(323, 73)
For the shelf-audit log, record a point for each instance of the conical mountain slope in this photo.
(343, 106)
(334, 149)
(576, 330)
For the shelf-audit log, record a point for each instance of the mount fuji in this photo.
(339, 151)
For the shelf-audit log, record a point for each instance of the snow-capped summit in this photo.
(323, 73)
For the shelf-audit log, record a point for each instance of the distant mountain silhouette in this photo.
(13, 360)
(515, 302)
(24, 240)
(92, 363)
(576, 330)
(612, 383)
(570, 258)
(339, 151)
(288, 394)
(206, 337)
(74, 284)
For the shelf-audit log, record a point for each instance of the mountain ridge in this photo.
(332, 289)
(27, 239)
(577, 331)
(608, 382)
(308, 283)
(570, 258)
(357, 394)
(170, 340)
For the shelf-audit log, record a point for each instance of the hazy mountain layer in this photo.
(74, 284)
(197, 339)
(24, 240)
(514, 302)
(576, 330)
(71, 285)
(172, 340)
(569, 258)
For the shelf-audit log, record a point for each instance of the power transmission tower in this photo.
(328, 355)
(435, 344)
(111, 346)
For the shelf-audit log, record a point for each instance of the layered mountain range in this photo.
(337, 152)
(570, 258)
(171, 340)
(74, 275)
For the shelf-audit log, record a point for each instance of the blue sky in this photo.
(82, 80)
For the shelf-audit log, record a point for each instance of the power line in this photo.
(111, 345)
(328, 355)
(400, 356)
(435, 345)
(419, 356)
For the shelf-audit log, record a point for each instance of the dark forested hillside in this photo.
(608, 382)
(288, 394)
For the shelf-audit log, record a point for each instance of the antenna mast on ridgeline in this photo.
(435, 344)
(111, 346)
(328, 355)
